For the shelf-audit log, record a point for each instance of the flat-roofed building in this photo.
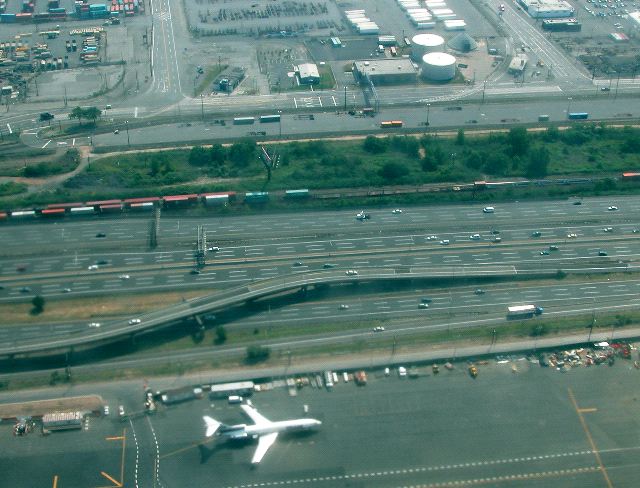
(308, 74)
(385, 71)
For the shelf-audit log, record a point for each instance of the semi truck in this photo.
(523, 311)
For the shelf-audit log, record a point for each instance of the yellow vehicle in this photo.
(473, 371)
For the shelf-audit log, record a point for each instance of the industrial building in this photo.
(565, 25)
(385, 71)
(308, 74)
(548, 9)
(62, 421)
(518, 64)
(463, 42)
(635, 18)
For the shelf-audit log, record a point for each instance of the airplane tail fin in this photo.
(212, 426)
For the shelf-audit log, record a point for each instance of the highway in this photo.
(258, 253)
(281, 244)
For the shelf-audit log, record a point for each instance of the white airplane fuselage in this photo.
(281, 426)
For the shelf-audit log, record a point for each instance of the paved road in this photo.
(259, 247)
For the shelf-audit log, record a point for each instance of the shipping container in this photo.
(391, 123)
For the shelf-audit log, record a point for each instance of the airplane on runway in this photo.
(265, 430)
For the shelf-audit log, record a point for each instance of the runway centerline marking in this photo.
(592, 443)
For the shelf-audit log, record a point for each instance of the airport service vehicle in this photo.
(523, 311)
(328, 379)
(488, 209)
(265, 430)
(179, 395)
(360, 378)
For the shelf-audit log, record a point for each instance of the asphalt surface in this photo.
(530, 429)
(262, 247)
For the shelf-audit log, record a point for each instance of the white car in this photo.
(92, 267)
(124, 276)
(474, 237)
(344, 306)
(572, 236)
(378, 329)
(432, 238)
(66, 290)
(396, 211)
(106, 410)
(94, 325)
(351, 272)
(121, 411)
(362, 215)
(402, 371)
(488, 209)
(608, 229)
(423, 305)
(134, 321)
(213, 249)
(612, 208)
(444, 242)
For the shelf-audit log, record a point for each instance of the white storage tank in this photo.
(422, 44)
(438, 66)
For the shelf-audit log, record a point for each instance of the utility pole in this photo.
(345, 98)
(126, 125)
(202, 105)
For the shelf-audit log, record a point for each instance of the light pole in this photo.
(569, 106)
(428, 109)
(484, 89)
(202, 105)
(280, 123)
(126, 125)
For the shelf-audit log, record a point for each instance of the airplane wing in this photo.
(256, 417)
(264, 443)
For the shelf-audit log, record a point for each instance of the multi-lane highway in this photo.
(255, 247)
(67, 259)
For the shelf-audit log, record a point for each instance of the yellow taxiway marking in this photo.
(115, 483)
(592, 443)
(587, 410)
(117, 438)
(55, 481)
(192, 446)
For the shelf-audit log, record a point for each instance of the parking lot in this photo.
(516, 423)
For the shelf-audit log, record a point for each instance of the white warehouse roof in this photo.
(308, 70)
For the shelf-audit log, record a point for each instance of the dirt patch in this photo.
(93, 308)
(90, 403)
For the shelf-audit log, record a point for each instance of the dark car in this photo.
(328, 265)
(195, 271)
(101, 234)
(536, 234)
(479, 291)
(25, 289)
(602, 253)
(577, 202)
(102, 262)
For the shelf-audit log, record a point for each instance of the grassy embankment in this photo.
(584, 150)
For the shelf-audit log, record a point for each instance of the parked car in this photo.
(396, 211)
(378, 329)
(351, 272)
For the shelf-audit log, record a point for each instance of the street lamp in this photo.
(428, 108)
(126, 125)
(569, 105)
(280, 123)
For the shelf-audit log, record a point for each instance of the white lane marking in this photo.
(10, 130)
(73, 141)
(46, 144)
(135, 113)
